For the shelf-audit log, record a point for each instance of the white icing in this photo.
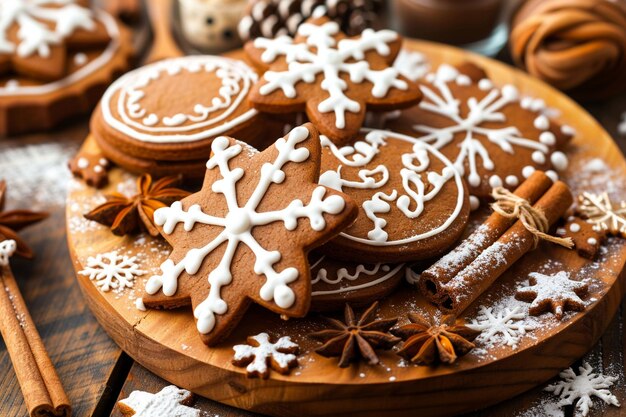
(574, 227)
(112, 271)
(34, 19)
(136, 122)
(559, 161)
(592, 241)
(237, 227)
(82, 163)
(474, 202)
(495, 181)
(139, 305)
(411, 65)
(263, 353)
(505, 325)
(541, 122)
(547, 138)
(80, 59)
(76, 76)
(322, 55)
(439, 100)
(7, 249)
(552, 175)
(414, 165)
(166, 403)
(511, 181)
(568, 130)
(527, 171)
(344, 276)
(485, 84)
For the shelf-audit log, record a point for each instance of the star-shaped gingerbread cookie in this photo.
(244, 237)
(35, 35)
(332, 77)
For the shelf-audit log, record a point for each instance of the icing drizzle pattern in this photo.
(34, 17)
(237, 227)
(321, 54)
(139, 123)
(343, 276)
(414, 191)
(439, 99)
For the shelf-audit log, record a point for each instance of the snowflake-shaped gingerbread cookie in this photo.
(35, 35)
(582, 387)
(171, 401)
(260, 354)
(493, 134)
(556, 293)
(332, 77)
(245, 236)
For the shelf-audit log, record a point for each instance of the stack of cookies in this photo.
(332, 211)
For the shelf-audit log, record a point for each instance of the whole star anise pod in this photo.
(13, 221)
(426, 342)
(356, 339)
(126, 215)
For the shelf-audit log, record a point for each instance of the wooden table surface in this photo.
(94, 370)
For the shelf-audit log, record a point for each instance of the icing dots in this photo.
(133, 104)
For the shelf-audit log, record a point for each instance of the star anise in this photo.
(13, 221)
(126, 215)
(426, 342)
(356, 339)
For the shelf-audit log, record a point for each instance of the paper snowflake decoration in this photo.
(260, 354)
(171, 401)
(7, 249)
(112, 271)
(208, 245)
(555, 293)
(506, 326)
(599, 210)
(582, 387)
(476, 121)
(331, 76)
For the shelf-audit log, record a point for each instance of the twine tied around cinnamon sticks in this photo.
(534, 219)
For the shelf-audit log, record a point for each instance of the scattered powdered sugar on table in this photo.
(37, 173)
(595, 175)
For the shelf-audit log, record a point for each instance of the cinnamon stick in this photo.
(438, 275)
(459, 292)
(40, 384)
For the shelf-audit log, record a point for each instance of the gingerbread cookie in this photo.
(587, 238)
(91, 167)
(555, 293)
(334, 78)
(494, 135)
(336, 283)
(171, 401)
(139, 126)
(56, 58)
(413, 204)
(244, 237)
(211, 25)
(273, 18)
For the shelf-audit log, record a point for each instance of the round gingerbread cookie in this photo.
(173, 109)
(335, 283)
(413, 204)
(494, 135)
(56, 59)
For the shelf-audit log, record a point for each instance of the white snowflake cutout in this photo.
(506, 326)
(7, 249)
(169, 402)
(112, 271)
(260, 354)
(582, 387)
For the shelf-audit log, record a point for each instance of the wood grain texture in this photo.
(167, 343)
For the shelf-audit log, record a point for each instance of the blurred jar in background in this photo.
(477, 25)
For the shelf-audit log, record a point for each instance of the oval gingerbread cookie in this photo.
(494, 135)
(413, 203)
(166, 114)
(335, 283)
(56, 59)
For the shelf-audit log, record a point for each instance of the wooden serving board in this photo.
(167, 343)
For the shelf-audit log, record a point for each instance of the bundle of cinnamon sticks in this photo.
(462, 275)
(41, 387)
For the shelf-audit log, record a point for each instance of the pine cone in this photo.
(578, 46)
(270, 18)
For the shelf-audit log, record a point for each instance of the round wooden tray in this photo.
(166, 342)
